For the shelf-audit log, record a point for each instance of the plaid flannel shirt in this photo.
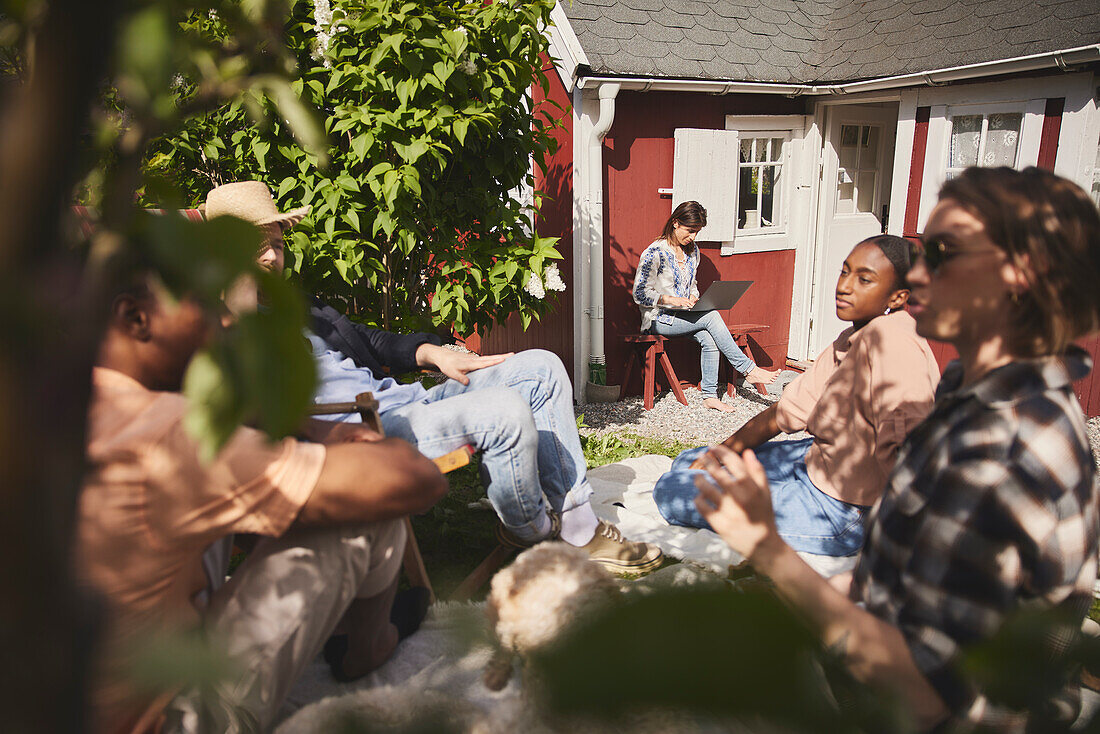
(990, 508)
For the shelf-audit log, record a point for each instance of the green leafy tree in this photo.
(57, 136)
(431, 127)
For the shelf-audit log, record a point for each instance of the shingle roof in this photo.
(812, 41)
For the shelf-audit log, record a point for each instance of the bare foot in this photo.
(765, 377)
(716, 404)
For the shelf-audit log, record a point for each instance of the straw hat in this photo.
(252, 202)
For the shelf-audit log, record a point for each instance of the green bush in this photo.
(430, 127)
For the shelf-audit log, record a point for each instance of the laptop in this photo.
(721, 295)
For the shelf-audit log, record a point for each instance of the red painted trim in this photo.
(916, 172)
(1052, 126)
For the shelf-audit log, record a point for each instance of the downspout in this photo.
(607, 93)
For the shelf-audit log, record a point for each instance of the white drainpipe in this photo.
(594, 220)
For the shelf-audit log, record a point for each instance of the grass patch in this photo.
(454, 538)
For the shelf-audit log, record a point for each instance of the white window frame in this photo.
(784, 162)
(879, 168)
(1015, 96)
(797, 177)
(985, 110)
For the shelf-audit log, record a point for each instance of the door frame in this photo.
(806, 275)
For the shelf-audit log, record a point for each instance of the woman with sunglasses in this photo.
(990, 508)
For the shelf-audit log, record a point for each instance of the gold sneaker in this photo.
(611, 550)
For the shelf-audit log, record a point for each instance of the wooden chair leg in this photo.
(413, 562)
(650, 375)
(631, 363)
(674, 383)
(481, 574)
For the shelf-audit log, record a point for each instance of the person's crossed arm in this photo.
(737, 504)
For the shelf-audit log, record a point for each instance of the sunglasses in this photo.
(936, 253)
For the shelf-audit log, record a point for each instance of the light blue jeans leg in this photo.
(498, 422)
(540, 379)
(713, 336)
(807, 518)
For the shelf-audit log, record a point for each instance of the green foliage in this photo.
(258, 371)
(429, 124)
(1015, 668)
(710, 655)
(607, 448)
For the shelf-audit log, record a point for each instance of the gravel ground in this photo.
(694, 424)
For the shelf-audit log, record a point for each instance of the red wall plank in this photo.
(1088, 389)
(1052, 126)
(916, 172)
(555, 330)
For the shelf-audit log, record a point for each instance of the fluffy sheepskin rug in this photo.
(533, 600)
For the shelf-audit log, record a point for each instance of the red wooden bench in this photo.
(741, 334)
(649, 350)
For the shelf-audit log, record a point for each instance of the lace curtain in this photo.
(1001, 133)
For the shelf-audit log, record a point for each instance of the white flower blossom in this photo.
(534, 286)
(552, 278)
(322, 19)
(468, 65)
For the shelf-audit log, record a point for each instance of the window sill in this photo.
(748, 241)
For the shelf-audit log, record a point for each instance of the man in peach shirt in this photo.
(150, 506)
(860, 398)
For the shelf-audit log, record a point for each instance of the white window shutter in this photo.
(705, 170)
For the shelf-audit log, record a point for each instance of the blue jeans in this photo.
(707, 328)
(519, 414)
(808, 519)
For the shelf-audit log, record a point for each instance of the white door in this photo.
(857, 163)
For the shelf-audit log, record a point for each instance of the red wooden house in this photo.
(803, 127)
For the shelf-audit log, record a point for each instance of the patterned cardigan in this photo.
(659, 275)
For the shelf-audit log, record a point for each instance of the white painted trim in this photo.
(903, 161)
(1078, 138)
(565, 48)
(1079, 133)
(935, 162)
(581, 286)
(1052, 59)
(798, 341)
(793, 129)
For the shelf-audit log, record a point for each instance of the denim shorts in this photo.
(808, 519)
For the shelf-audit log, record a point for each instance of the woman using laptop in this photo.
(665, 288)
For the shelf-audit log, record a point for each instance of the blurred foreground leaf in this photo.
(715, 653)
(259, 371)
(1020, 666)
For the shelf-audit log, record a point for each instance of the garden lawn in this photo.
(458, 533)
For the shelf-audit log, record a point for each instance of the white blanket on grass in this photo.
(623, 495)
(443, 662)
